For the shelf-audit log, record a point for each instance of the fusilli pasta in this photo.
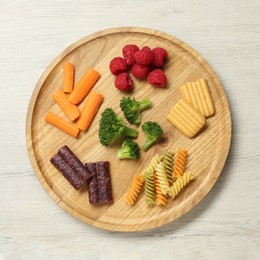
(134, 190)
(151, 166)
(149, 188)
(162, 177)
(180, 183)
(180, 163)
(167, 161)
(160, 197)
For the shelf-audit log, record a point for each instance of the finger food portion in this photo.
(198, 95)
(159, 187)
(186, 118)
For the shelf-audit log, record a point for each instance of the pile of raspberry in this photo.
(145, 63)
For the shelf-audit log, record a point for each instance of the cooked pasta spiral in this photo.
(180, 183)
(160, 197)
(149, 188)
(167, 161)
(162, 177)
(180, 163)
(134, 190)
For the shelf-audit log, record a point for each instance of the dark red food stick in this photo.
(104, 183)
(74, 163)
(93, 195)
(67, 172)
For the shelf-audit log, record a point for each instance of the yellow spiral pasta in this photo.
(149, 188)
(180, 163)
(180, 183)
(167, 161)
(134, 190)
(162, 177)
(160, 197)
(151, 167)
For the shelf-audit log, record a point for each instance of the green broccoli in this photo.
(153, 131)
(129, 150)
(132, 109)
(112, 127)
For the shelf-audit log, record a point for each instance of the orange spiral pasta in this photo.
(160, 197)
(134, 190)
(180, 163)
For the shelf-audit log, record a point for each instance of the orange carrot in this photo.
(70, 110)
(61, 124)
(68, 73)
(85, 84)
(89, 110)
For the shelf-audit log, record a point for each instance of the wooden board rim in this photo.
(118, 227)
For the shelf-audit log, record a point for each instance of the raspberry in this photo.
(128, 53)
(140, 71)
(144, 56)
(124, 82)
(160, 54)
(117, 65)
(157, 78)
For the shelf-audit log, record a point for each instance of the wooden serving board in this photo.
(207, 152)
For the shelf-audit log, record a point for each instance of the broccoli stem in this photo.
(130, 132)
(147, 145)
(123, 153)
(144, 104)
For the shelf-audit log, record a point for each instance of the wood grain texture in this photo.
(225, 224)
(207, 152)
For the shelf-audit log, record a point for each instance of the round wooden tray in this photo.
(207, 152)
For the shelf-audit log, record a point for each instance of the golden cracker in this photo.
(198, 95)
(186, 118)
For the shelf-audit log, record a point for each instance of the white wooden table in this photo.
(225, 225)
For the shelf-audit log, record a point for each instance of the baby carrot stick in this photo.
(89, 110)
(85, 84)
(68, 74)
(70, 110)
(61, 124)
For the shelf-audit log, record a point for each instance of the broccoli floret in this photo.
(129, 150)
(153, 131)
(132, 109)
(112, 127)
